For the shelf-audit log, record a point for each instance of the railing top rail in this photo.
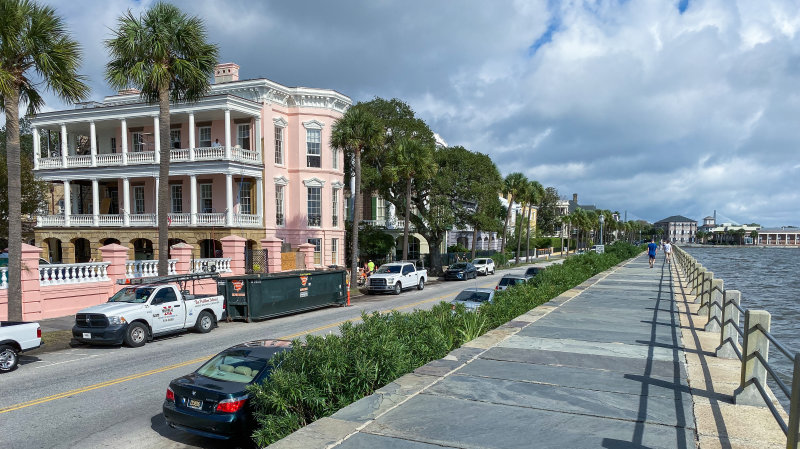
(775, 342)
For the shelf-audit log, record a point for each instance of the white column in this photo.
(124, 126)
(37, 151)
(157, 138)
(126, 202)
(95, 203)
(67, 203)
(191, 136)
(258, 138)
(193, 199)
(227, 133)
(64, 149)
(229, 200)
(155, 208)
(93, 142)
(260, 197)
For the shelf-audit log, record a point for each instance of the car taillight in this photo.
(170, 394)
(38, 332)
(224, 304)
(231, 405)
(497, 287)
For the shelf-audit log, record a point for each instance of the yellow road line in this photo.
(109, 383)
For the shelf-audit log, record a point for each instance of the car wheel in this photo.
(136, 335)
(421, 284)
(8, 358)
(205, 322)
(397, 288)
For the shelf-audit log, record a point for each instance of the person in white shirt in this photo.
(668, 252)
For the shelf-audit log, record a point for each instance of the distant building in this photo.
(678, 229)
(728, 232)
(784, 236)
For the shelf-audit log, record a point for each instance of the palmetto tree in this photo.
(163, 53)
(535, 193)
(410, 160)
(357, 132)
(32, 39)
(512, 185)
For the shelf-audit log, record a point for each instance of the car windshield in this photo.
(132, 294)
(479, 262)
(233, 366)
(473, 296)
(389, 269)
(532, 271)
(458, 266)
(509, 281)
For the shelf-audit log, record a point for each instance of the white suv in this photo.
(485, 266)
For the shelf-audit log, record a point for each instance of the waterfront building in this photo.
(783, 236)
(728, 232)
(252, 158)
(677, 229)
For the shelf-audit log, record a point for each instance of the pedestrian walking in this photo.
(371, 267)
(668, 252)
(652, 248)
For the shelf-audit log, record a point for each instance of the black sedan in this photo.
(212, 401)
(461, 271)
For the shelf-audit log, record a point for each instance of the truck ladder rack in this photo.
(168, 279)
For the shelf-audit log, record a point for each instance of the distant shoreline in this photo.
(697, 245)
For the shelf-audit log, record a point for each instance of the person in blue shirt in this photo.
(652, 248)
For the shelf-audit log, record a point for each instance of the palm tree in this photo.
(411, 160)
(534, 197)
(32, 39)
(357, 132)
(165, 55)
(523, 195)
(512, 184)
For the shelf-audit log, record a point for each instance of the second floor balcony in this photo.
(218, 153)
(150, 220)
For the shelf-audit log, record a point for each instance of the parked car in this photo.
(485, 266)
(395, 277)
(510, 280)
(472, 298)
(17, 337)
(461, 271)
(153, 307)
(532, 271)
(213, 400)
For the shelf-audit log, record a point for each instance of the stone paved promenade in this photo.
(601, 366)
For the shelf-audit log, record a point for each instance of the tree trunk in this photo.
(357, 212)
(528, 237)
(163, 183)
(407, 220)
(436, 255)
(474, 240)
(14, 206)
(505, 226)
(519, 235)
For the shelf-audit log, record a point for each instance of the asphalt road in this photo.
(111, 396)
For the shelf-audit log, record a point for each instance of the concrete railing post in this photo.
(308, 255)
(696, 279)
(233, 247)
(793, 434)
(705, 293)
(715, 306)
(729, 338)
(698, 285)
(273, 247)
(752, 370)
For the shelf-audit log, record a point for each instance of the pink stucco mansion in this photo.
(252, 158)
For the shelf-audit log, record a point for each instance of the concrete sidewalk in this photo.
(602, 365)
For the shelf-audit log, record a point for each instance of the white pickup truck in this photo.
(137, 313)
(395, 277)
(16, 337)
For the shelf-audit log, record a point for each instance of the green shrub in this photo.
(315, 380)
(500, 259)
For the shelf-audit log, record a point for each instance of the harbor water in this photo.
(769, 280)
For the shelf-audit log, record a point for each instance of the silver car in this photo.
(485, 266)
(472, 298)
(510, 280)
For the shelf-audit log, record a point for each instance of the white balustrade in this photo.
(49, 162)
(247, 219)
(84, 160)
(179, 155)
(142, 219)
(218, 264)
(73, 273)
(52, 220)
(179, 219)
(110, 220)
(147, 268)
(241, 154)
(216, 218)
(81, 220)
(209, 153)
(109, 159)
(142, 157)
(4, 277)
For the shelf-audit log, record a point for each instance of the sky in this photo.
(657, 108)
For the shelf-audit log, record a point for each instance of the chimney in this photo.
(575, 198)
(226, 72)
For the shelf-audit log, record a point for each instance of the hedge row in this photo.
(315, 380)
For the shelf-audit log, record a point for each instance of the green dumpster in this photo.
(260, 296)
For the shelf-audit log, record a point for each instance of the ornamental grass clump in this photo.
(327, 373)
